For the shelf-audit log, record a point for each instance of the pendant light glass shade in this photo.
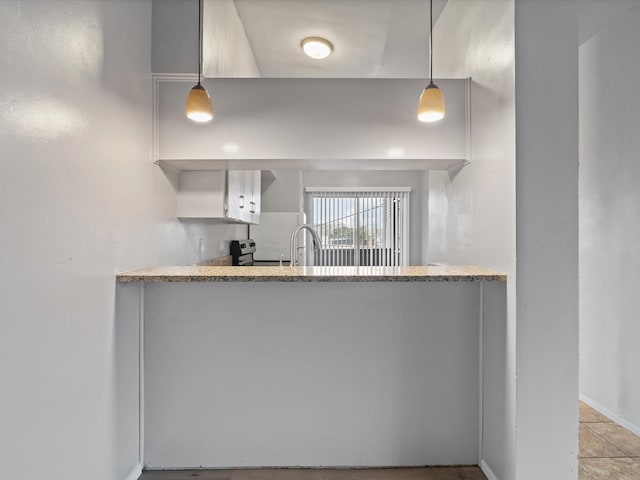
(199, 105)
(431, 106)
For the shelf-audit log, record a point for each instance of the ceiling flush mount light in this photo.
(317, 47)
(198, 101)
(431, 107)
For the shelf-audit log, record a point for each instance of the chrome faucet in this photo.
(316, 241)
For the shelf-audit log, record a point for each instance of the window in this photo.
(361, 227)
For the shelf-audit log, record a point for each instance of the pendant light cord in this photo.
(431, 42)
(199, 39)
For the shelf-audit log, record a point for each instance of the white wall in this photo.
(79, 201)
(226, 50)
(609, 216)
(225, 47)
(546, 36)
(472, 211)
(174, 44)
(283, 194)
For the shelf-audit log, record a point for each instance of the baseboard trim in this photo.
(605, 411)
(135, 473)
(148, 468)
(486, 469)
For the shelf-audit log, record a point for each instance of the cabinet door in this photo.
(237, 202)
(255, 195)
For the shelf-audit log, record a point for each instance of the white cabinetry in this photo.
(228, 196)
(254, 178)
(236, 194)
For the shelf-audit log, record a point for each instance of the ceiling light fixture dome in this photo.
(431, 106)
(198, 106)
(317, 47)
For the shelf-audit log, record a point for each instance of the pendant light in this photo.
(198, 101)
(431, 107)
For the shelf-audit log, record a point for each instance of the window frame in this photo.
(404, 195)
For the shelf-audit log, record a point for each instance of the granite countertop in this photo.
(463, 273)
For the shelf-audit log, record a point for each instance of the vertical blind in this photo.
(361, 227)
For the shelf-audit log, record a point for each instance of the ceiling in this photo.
(371, 38)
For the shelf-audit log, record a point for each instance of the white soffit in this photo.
(371, 38)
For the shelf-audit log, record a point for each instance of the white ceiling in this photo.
(371, 38)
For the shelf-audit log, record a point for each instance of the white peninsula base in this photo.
(240, 374)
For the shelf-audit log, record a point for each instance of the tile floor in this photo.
(607, 450)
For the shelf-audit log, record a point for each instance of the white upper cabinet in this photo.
(318, 123)
(232, 196)
(255, 203)
(244, 195)
(237, 202)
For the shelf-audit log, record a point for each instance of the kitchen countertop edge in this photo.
(198, 274)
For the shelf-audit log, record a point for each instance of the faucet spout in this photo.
(316, 241)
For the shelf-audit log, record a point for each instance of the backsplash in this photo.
(225, 261)
(207, 241)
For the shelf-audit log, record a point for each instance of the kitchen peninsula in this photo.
(316, 366)
(311, 274)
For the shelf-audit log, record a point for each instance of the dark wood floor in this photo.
(435, 473)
